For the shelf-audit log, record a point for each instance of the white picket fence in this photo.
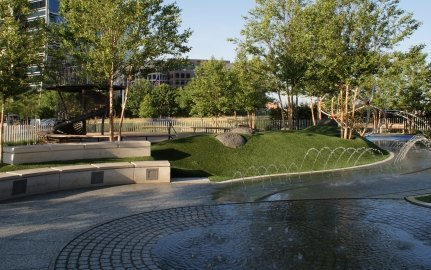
(24, 134)
(27, 134)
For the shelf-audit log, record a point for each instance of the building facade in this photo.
(46, 9)
(178, 78)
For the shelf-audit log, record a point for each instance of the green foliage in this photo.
(146, 109)
(251, 87)
(160, 102)
(47, 104)
(112, 38)
(26, 106)
(21, 45)
(405, 83)
(426, 199)
(211, 92)
(109, 36)
(319, 47)
(138, 90)
(274, 31)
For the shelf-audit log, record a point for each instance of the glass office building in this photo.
(47, 9)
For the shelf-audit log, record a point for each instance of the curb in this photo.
(413, 200)
(391, 156)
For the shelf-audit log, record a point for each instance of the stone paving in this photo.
(339, 221)
(330, 234)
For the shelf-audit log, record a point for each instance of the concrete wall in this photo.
(75, 151)
(22, 183)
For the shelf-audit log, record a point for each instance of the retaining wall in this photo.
(75, 151)
(22, 183)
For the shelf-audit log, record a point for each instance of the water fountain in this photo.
(333, 219)
(410, 144)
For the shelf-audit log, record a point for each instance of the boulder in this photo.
(242, 130)
(231, 140)
(327, 122)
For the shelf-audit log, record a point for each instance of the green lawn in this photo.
(426, 199)
(264, 153)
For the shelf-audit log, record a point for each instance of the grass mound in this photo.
(265, 153)
(426, 199)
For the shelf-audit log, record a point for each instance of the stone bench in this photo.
(75, 151)
(22, 183)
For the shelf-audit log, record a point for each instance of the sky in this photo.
(214, 21)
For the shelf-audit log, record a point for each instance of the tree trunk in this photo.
(313, 117)
(111, 104)
(282, 110)
(290, 111)
(123, 106)
(355, 95)
(346, 113)
(253, 120)
(319, 108)
(289, 95)
(340, 107)
(2, 131)
(332, 108)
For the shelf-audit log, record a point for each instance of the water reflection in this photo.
(345, 234)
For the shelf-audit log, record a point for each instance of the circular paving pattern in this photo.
(320, 234)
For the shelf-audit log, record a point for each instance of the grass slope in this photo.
(267, 152)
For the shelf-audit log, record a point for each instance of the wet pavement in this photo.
(347, 220)
(330, 234)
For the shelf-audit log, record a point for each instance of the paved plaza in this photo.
(350, 220)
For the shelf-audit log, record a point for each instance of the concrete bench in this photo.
(22, 183)
(75, 151)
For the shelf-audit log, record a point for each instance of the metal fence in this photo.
(27, 134)
(181, 125)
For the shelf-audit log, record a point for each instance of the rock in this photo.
(242, 130)
(231, 140)
(327, 122)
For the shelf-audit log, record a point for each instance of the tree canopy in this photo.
(325, 47)
(113, 38)
(21, 48)
(211, 92)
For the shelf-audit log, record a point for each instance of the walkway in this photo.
(350, 220)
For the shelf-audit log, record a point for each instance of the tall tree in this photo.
(21, 51)
(274, 31)
(252, 88)
(350, 38)
(111, 38)
(211, 91)
(138, 90)
(405, 83)
(160, 102)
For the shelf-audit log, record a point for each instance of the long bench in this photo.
(75, 151)
(61, 138)
(16, 184)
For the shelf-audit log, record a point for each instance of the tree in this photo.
(113, 38)
(251, 86)
(348, 41)
(160, 102)
(274, 31)
(211, 91)
(405, 82)
(138, 90)
(21, 51)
